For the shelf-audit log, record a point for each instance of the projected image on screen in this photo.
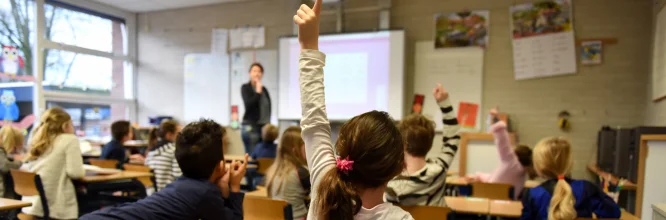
(362, 71)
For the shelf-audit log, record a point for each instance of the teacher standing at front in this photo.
(257, 108)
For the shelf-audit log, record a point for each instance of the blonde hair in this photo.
(52, 124)
(12, 139)
(289, 157)
(552, 159)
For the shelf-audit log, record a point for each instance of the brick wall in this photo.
(608, 94)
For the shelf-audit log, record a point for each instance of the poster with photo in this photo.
(467, 114)
(590, 52)
(462, 29)
(417, 106)
(543, 39)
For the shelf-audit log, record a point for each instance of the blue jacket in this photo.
(264, 150)
(185, 198)
(589, 199)
(114, 150)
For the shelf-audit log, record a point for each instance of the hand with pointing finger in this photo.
(308, 25)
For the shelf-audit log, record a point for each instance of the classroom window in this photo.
(93, 121)
(82, 73)
(87, 29)
(16, 40)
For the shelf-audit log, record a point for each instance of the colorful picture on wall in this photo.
(235, 120)
(539, 18)
(417, 106)
(467, 113)
(462, 29)
(590, 52)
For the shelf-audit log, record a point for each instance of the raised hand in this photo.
(237, 171)
(308, 25)
(493, 112)
(440, 93)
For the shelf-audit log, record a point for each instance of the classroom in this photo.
(399, 109)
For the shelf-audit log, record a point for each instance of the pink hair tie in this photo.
(344, 165)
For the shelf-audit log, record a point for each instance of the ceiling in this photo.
(157, 5)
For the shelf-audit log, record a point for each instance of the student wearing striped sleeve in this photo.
(422, 181)
(161, 154)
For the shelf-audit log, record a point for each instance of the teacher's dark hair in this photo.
(257, 65)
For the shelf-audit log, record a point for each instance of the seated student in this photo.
(11, 148)
(422, 181)
(161, 156)
(121, 132)
(515, 164)
(267, 147)
(55, 156)
(348, 179)
(561, 197)
(288, 177)
(207, 189)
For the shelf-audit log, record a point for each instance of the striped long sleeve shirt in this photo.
(162, 160)
(426, 187)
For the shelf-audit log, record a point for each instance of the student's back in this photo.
(424, 185)
(55, 155)
(589, 199)
(559, 197)
(267, 147)
(11, 141)
(121, 131)
(207, 190)
(161, 156)
(288, 178)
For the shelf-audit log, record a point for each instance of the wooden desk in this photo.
(135, 144)
(10, 204)
(92, 154)
(507, 209)
(236, 157)
(260, 192)
(111, 177)
(467, 205)
(628, 216)
(460, 181)
(451, 172)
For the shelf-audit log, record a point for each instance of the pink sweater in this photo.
(510, 171)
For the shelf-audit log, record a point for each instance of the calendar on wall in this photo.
(543, 39)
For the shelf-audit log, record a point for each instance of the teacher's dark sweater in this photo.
(252, 101)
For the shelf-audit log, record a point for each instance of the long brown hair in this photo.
(552, 158)
(374, 143)
(289, 157)
(12, 139)
(52, 123)
(167, 126)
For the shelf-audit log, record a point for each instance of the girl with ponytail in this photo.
(348, 178)
(563, 198)
(161, 153)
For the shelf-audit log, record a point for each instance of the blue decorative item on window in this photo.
(9, 110)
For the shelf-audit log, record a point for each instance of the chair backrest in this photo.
(263, 164)
(495, 191)
(146, 181)
(107, 164)
(30, 184)
(427, 212)
(257, 208)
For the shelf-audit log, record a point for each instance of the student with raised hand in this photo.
(561, 197)
(161, 155)
(423, 180)
(515, 163)
(288, 178)
(207, 189)
(351, 183)
(55, 156)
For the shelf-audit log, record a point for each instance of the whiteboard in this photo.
(482, 156)
(460, 70)
(240, 66)
(206, 92)
(659, 58)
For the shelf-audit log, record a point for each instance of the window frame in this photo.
(41, 96)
